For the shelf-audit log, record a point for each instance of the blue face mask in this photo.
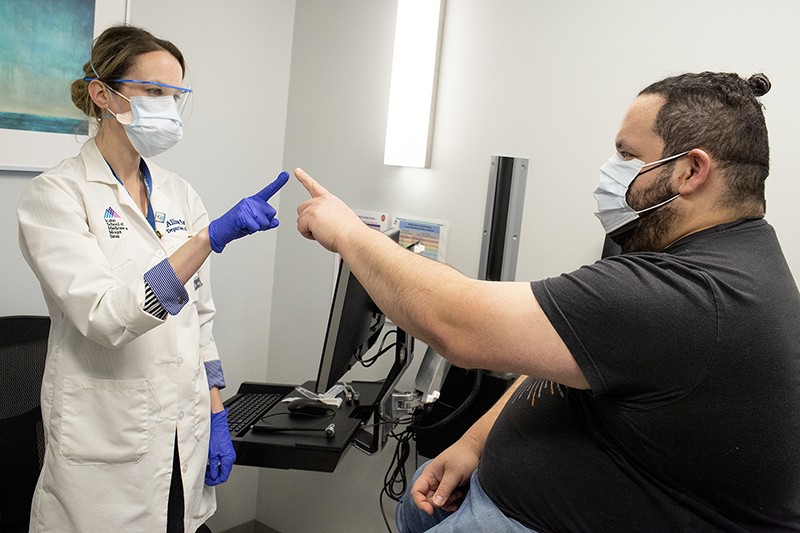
(616, 177)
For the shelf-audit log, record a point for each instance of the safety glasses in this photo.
(154, 88)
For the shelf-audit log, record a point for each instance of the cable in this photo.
(408, 419)
(395, 481)
(326, 416)
(476, 385)
(383, 511)
(381, 350)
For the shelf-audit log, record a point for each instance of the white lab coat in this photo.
(118, 381)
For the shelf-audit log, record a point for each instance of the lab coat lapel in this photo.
(97, 169)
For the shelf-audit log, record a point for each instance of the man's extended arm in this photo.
(473, 323)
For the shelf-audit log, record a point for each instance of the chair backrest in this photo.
(23, 348)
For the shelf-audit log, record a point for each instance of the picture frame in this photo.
(36, 151)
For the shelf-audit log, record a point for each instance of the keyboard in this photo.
(248, 408)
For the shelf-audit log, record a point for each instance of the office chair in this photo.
(23, 347)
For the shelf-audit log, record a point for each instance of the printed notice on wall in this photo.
(432, 234)
(374, 219)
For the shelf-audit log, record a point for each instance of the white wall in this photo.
(545, 80)
(20, 291)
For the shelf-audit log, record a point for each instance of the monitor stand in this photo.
(371, 437)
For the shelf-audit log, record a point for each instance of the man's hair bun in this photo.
(759, 84)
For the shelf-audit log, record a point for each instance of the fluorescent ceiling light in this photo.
(409, 127)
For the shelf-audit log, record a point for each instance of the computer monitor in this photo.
(354, 325)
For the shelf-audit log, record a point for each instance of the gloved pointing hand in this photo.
(250, 215)
(221, 454)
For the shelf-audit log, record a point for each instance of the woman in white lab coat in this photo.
(135, 430)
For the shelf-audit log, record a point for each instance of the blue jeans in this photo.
(477, 513)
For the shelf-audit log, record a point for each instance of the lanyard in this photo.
(144, 172)
(148, 184)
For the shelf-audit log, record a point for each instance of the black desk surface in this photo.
(303, 450)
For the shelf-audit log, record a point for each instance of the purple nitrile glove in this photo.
(221, 454)
(250, 215)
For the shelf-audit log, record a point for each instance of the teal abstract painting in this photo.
(43, 47)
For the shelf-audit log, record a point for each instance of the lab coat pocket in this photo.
(106, 421)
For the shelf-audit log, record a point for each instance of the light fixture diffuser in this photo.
(412, 94)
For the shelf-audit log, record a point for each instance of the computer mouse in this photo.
(309, 406)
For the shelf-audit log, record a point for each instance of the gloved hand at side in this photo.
(250, 215)
(221, 454)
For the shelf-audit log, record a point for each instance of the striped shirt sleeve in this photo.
(167, 289)
(214, 374)
(151, 303)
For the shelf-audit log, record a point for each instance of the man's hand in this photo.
(324, 217)
(438, 484)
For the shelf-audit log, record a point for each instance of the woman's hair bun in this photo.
(759, 84)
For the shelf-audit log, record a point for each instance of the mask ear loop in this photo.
(659, 164)
(122, 118)
(652, 207)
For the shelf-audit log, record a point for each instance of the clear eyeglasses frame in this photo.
(154, 88)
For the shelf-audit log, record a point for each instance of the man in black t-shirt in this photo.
(664, 388)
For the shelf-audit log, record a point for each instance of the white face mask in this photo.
(153, 124)
(616, 177)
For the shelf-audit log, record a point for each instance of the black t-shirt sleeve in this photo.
(606, 312)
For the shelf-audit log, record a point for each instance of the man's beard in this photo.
(652, 228)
